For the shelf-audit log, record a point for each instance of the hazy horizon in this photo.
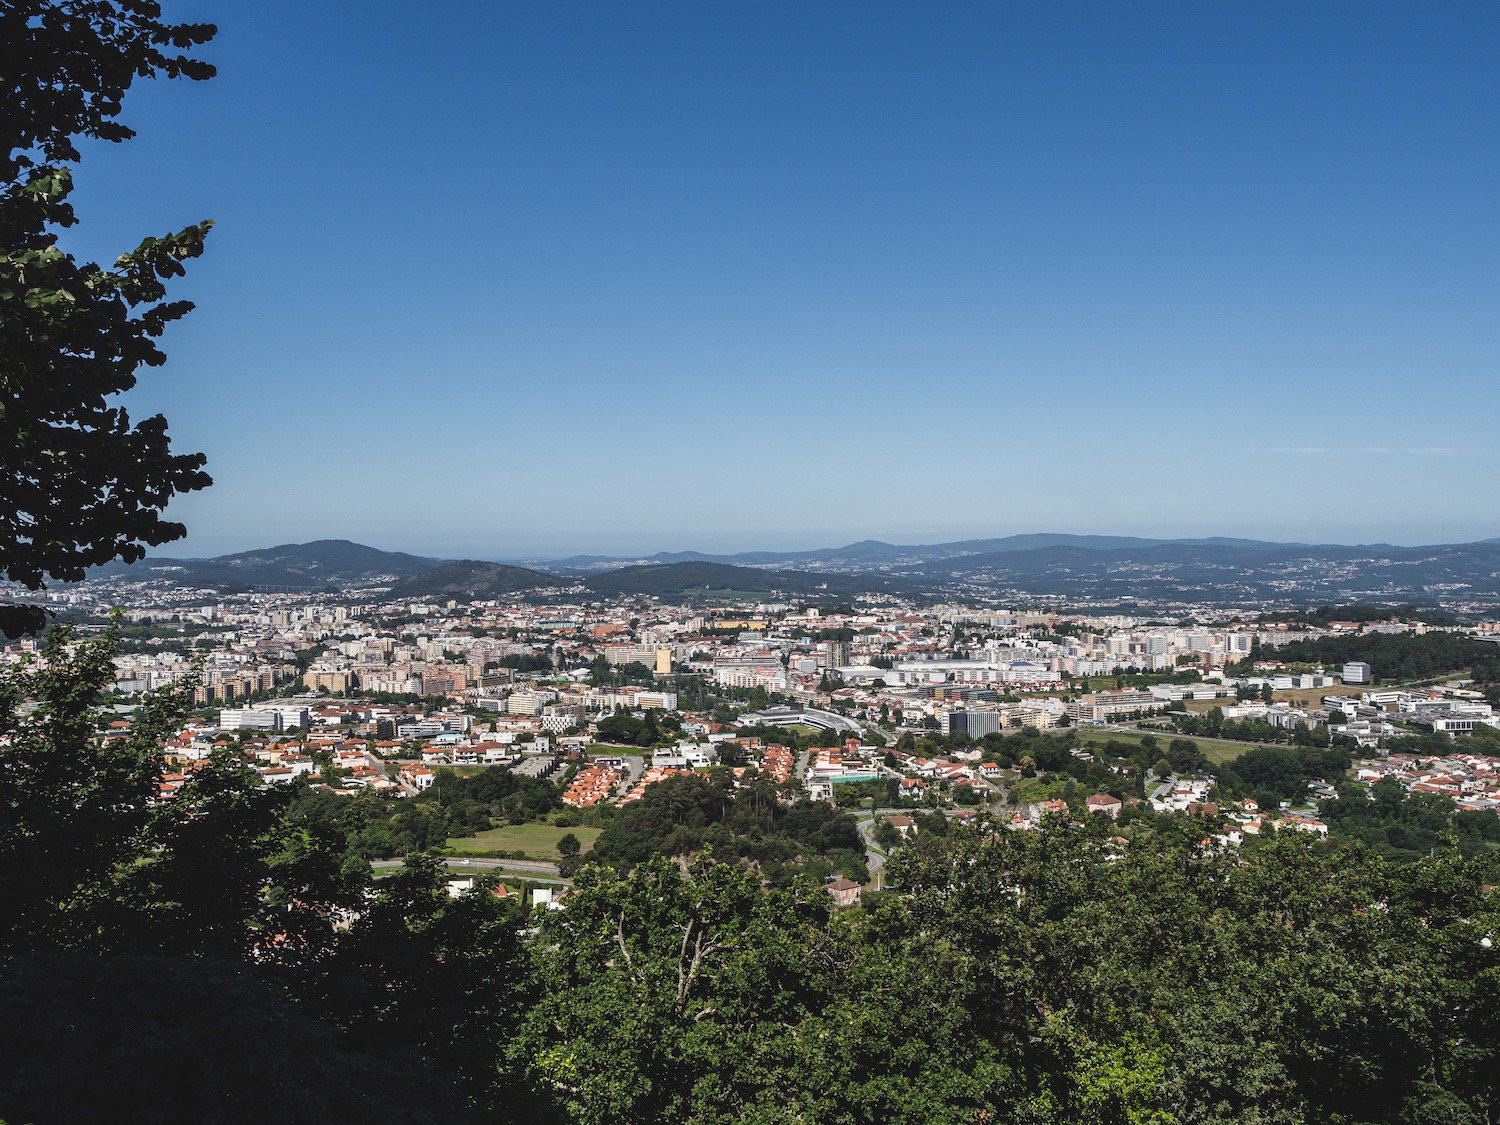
(178, 550)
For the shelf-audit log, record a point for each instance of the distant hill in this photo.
(324, 562)
(1225, 554)
(1087, 542)
(669, 580)
(1076, 567)
(872, 554)
(1207, 572)
(469, 579)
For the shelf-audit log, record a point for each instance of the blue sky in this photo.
(506, 280)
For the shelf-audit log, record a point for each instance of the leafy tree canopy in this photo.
(82, 483)
(1095, 972)
(1391, 656)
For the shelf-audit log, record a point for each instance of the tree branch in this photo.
(687, 974)
(620, 940)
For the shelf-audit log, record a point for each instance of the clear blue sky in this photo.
(508, 280)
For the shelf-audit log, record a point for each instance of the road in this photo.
(635, 765)
(1160, 790)
(874, 859)
(540, 867)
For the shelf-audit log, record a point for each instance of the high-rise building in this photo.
(976, 724)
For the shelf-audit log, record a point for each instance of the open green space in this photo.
(1097, 734)
(1216, 751)
(536, 840)
(1110, 683)
(1220, 752)
(1313, 697)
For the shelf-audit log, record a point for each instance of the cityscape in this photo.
(886, 700)
(749, 564)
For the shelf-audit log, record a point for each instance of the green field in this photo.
(1220, 752)
(1095, 734)
(1216, 751)
(538, 841)
(1109, 683)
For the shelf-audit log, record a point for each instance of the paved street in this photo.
(540, 867)
(874, 859)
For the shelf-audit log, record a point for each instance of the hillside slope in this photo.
(323, 562)
(468, 579)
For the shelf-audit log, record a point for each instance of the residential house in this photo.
(1104, 803)
(903, 824)
(845, 892)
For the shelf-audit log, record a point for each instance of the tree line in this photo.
(1391, 656)
(687, 813)
(375, 826)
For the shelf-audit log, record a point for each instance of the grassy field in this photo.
(1220, 752)
(1200, 706)
(1313, 697)
(1043, 789)
(538, 841)
(1109, 683)
(1095, 734)
(1215, 751)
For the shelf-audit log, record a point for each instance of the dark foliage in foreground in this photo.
(216, 957)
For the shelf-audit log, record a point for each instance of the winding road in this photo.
(874, 859)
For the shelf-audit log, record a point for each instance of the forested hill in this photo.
(468, 579)
(1391, 656)
(1218, 572)
(1083, 567)
(324, 562)
(870, 554)
(686, 578)
(683, 815)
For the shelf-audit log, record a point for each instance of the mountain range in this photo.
(1074, 567)
(321, 563)
(869, 554)
(1224, 574)
(689, 579)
